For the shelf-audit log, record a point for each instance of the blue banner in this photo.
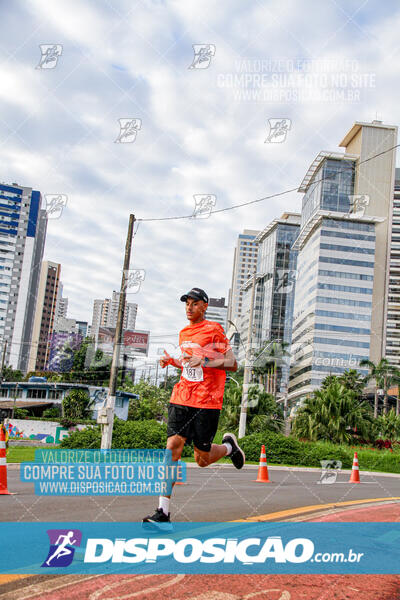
(88, 479)
(239, 548)
(135, 455)
(133, 472)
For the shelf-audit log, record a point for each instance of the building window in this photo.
(36, 393)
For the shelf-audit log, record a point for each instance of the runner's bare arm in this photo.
(227, 362)
(168, 360)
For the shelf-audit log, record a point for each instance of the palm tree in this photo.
(384, 374)
(388, 426)
(353, 380)
(333, 413)
(266, 363)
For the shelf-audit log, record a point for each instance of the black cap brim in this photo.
(194, 296)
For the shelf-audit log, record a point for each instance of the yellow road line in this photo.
(291, 512)
(7, 578)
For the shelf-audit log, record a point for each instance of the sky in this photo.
(314, 67)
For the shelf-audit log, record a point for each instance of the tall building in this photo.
(82, 328)
(61, 305)
(274, 293)
(277, 264)
(244, 263)
(217, 311)
(45, 314)
(66, 325)
(105, 314)
(393, 306)
(22, 236)
(343, 258)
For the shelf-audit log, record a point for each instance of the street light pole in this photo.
(3, 358)
(247, 368)
(106, 414)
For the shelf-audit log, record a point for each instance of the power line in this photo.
(212, 212)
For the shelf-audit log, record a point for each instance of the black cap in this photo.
(196, 294)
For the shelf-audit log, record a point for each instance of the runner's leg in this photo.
(175, 443)
(204, 459)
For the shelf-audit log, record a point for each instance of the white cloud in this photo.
(132, 61)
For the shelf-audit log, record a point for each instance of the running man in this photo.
(196, 400)
(62, 550)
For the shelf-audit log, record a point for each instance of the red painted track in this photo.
(224, 587)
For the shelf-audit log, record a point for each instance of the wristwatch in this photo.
(206, 361)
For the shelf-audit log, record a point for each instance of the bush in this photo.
(279, 449)
(21, 413)
(379, 460)
(289, 451)
(151, 404)
(51, 413)
(87, 438)
(126, 434)
(76, 406)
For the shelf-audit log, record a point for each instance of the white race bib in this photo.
(192, 373)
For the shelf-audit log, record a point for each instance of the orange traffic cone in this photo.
(178, 482)
(355, 472)
(3, 463)
(262, 476)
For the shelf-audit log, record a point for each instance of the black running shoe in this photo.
(159, 521)
(237, 455)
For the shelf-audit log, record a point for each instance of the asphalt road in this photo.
(217, 493)
(218, 587)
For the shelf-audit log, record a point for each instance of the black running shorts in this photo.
(197, 425)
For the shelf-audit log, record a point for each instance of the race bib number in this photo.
(192, 373)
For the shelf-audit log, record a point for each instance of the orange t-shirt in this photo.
(201, 387)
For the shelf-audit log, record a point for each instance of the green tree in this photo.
(384, 375)
(151, 404)
(328, 380)
(352, 380)
(230, 412)
(171, 380)
(77, 406)
(388, 426)
(333, 413)
(263, 412)
(10, 374)
(268, 362)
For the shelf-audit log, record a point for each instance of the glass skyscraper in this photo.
(339, 310)
(274, 294)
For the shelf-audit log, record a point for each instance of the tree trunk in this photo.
(376, 403)
(385, 398)
(397, 404)
(385, 404)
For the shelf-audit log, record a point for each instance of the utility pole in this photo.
(3, 358)
(106, 414)
(166, 378)
(15, 400)
(247, 368)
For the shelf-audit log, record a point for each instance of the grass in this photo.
(17, 454)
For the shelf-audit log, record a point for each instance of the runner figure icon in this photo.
(62, 549)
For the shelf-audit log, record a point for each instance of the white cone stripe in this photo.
(3, 461)
(262, 464)
(355, 468)
(2, 444)
(263, 456)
